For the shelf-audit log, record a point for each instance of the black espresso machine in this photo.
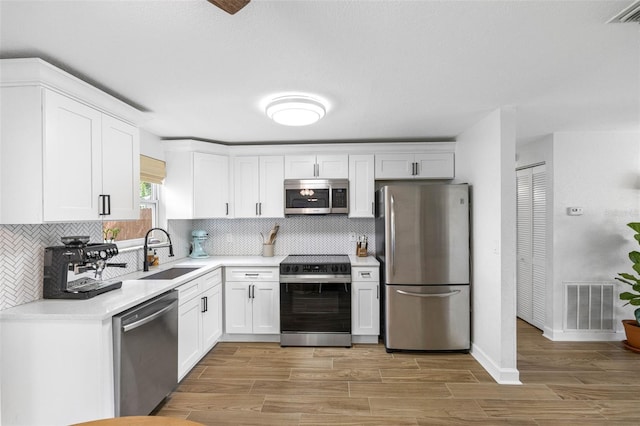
(74, 270)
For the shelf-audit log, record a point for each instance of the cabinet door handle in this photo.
(260, 209)
(366, 275)
(227, 207)
(203, 304)
(105, 205)
(257, 214)
(378, 292)
(373, 208)
(253, 291)
(316, 170)
(249, 288)
(417, 168)
(252, 275)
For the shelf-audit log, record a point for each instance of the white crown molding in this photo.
(36, 72)
(308, 148)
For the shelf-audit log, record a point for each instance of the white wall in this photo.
(600, 172)
(485, 157)
(150, 145)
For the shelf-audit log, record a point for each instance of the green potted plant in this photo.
(632, 297)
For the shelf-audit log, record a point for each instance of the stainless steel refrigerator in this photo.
(422, 242)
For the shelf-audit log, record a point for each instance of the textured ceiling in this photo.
(391, 70)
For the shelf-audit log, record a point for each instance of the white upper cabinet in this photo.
(316, 166)
(210, 185)
(72, 155)
(197, 185)
(63, 160)
(68, 151)
(258, 186)
(436, 165)
(121, 167)
(361, 185)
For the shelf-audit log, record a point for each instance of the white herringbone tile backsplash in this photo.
(22, 246)
(22, 257)
(297, 235)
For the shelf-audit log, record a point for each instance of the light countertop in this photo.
(368, 261)
(135, 290)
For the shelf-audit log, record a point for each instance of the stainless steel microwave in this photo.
(316, 196)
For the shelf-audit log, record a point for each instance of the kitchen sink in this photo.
(169, 274)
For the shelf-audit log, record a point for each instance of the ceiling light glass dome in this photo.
(295, 110)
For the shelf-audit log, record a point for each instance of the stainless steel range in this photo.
(315, 300)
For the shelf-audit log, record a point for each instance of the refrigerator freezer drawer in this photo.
(427, 318)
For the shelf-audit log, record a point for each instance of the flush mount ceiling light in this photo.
(295, 110)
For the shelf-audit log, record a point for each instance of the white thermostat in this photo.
(575, 211)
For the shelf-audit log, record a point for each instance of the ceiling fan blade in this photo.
(230, 6)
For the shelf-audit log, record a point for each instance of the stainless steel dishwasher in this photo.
(145, 345)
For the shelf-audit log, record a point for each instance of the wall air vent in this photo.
(630, 14)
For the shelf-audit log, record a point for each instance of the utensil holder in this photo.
(361, 251)
(267, 250)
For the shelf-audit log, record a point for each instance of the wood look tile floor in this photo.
(590, 383)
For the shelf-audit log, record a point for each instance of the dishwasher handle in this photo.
(148, 318)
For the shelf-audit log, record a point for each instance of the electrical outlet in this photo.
(352, 236)
(229, 238)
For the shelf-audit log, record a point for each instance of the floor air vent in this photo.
(589, 306)
(629, 14)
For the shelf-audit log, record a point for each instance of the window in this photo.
(133, 230)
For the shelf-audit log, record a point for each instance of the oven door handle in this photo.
(315, 279)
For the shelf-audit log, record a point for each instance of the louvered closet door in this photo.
(531, 243)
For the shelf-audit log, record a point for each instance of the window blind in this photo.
(152, 170)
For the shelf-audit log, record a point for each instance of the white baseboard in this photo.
(504, 376)
(583, 335)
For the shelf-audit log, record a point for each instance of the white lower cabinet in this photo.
(365, 301)
(252, 300)
(199, 319)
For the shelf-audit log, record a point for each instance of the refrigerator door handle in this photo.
(392, 259)
(408, 293)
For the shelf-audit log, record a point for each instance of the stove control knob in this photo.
(343, 268)
(334, 268)
(295, 268)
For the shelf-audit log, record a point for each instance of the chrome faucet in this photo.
(145, 262)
